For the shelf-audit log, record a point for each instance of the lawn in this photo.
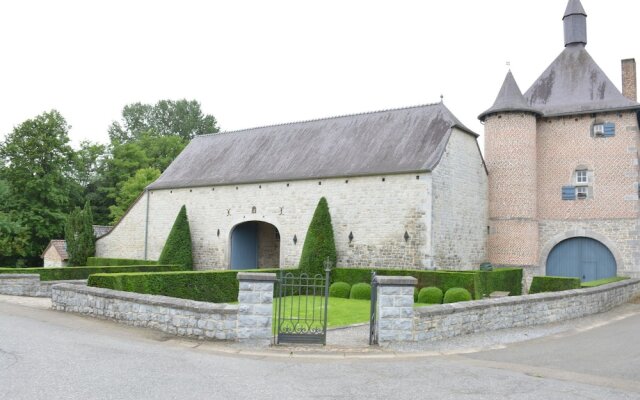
(601, 282)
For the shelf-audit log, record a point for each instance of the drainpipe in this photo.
(146, 226)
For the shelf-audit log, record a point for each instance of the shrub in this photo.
(430, 295)
(210, 286)
(177, 249)
(70, 273)
(415, 294)
(78, 234)
(455, 295)
(104, 262)
(360, 291)
(500, 279)
(340, 289)
(319, 244)
(541, 284)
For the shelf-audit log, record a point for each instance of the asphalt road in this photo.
(52, 355)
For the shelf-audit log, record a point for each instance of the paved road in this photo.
(52, 355)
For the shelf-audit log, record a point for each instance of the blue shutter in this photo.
(609, 129)
(568, 193)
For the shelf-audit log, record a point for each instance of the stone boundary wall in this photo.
(450, 320)
(167, 314)
(30, 285)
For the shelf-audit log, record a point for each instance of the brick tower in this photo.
(510, 151)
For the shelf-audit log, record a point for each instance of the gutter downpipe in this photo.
(146, 226)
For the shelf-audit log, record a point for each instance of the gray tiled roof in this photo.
(575, 84)
(384, 142)
(509, 98)
(101, 230)
(574, 7)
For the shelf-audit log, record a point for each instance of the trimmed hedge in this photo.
(340, 290)
(604, 281)
(479, 283)
(542, 284)
(456, 295)
(430, 295)
(70, 273)
(177, 249)
(319, 244)
(211, 286)
(106, 262)
(360, 291)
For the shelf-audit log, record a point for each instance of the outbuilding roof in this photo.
(60, 247)
(392, 141)
(575, 84)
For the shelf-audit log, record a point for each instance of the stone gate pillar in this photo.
(255, 312)
(395, 308)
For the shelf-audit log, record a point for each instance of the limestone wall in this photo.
(29, 285)
(376, 209)
(460, 197)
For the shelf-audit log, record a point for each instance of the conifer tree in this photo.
(319, 244)
(177, 249)
(81, 242)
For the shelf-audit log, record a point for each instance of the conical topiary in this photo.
(319, 244)
(177, 249)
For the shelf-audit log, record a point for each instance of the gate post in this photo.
(255, 311)
(395, 308)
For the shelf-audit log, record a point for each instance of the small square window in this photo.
(581, 192)
(598, 129)
(581, 177)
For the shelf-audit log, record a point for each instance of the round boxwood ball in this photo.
(340, 289)
(430, 295)
(361, 291)
(455, 295)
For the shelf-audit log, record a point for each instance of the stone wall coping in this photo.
(257, 276)
(396, 280)
(149, 299)
(73, 281)
(15, 276)
(444, 309)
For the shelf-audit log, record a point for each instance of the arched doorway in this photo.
(581, 257)
(255, 244)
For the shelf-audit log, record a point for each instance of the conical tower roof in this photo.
(510, 99)
(575, 24)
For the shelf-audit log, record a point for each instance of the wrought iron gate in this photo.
(301, 308)
(373, 325)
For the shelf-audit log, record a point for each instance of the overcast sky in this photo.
(253, 63)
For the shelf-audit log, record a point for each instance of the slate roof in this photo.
(101, 230)
(384, 142)
(60, 246)
(574, 7)
(575, 84)
(510, 99)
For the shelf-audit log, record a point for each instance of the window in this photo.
(581, 189)
(581, 192)
(603, 129)
(581, 177)
(598, 130)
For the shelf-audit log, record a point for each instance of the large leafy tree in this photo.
(182, 118)
(130, 190)
(81, 242)
(38, 164)
(13, 236)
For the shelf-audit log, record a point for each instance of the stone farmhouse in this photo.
(408, 188)
(563, 167)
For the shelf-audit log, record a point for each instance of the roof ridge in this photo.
(319, 119)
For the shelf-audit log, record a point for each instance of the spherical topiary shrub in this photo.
(430, 295)
(361, 291)
(455, 295)
(340, 289)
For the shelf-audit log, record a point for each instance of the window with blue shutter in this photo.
(568, 193)
(609, 129)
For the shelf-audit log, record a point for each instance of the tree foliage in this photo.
(81, 242)
(38, 165)
(177, 249)
(130, 190)
(180, 118)
(319, 244)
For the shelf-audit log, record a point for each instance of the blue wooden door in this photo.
(583, 258)
(244, 246)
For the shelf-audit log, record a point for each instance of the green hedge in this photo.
(340, 290)
(542, 284)
(501, 280)
(360, 291)
(68, 273)
(210, 286)
(456, 295)
(101, 262)
(601, 282)
(430, 295)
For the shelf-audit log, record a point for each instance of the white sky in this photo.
(253, 63)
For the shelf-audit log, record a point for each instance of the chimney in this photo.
(629, 84)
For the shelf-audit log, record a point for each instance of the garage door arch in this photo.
(582, 257)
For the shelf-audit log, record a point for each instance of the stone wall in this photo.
(450, 320)
(394, 308)
(378, 210)
(460, 197)
(29, 285)
(268, 246)
(167, 314)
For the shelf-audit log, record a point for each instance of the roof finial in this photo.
(575, 24)
(441, 98)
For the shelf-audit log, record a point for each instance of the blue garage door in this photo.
(244, 246)
(583, 258)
